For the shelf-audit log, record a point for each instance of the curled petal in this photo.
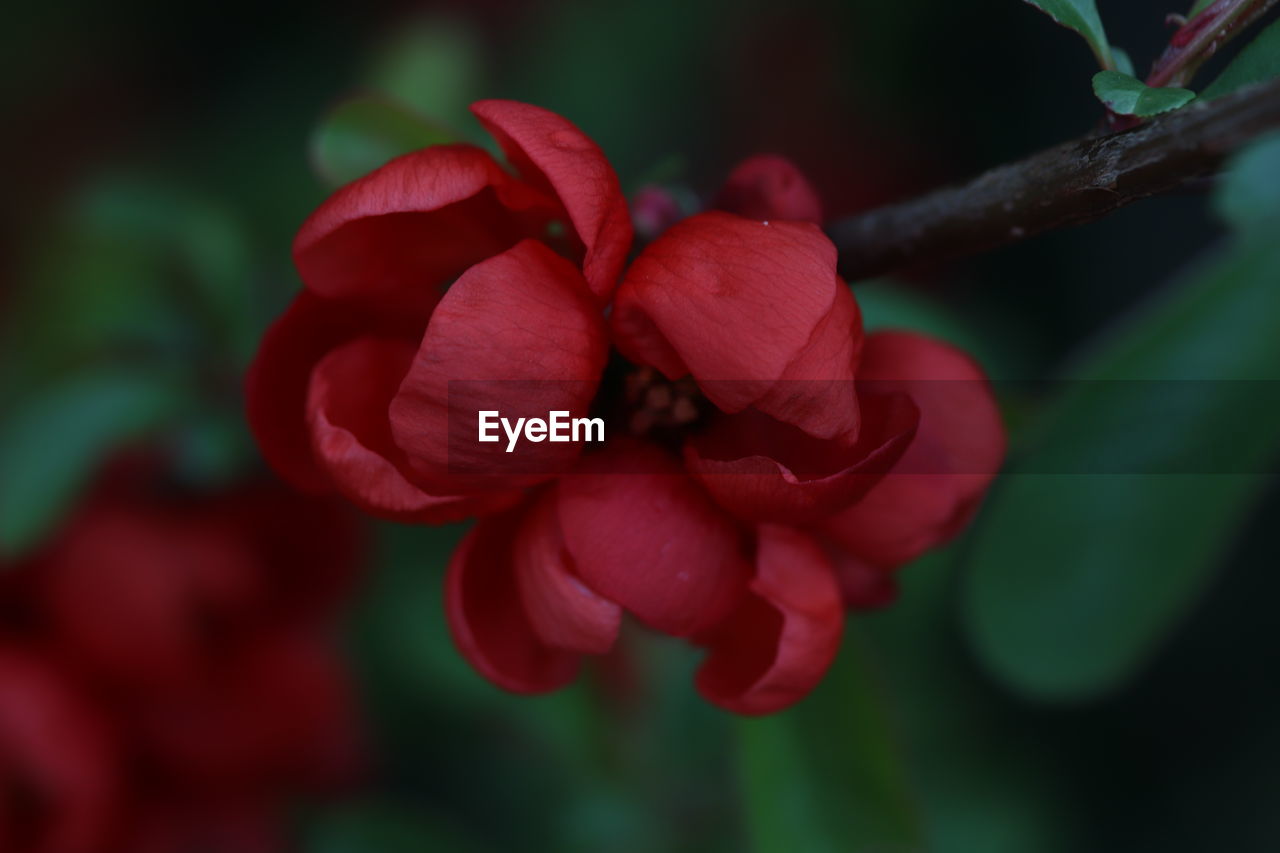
(564, 612)
(351, 390)
(769, 187)
(409, 227)
(642, 534)
(55, 749)
(487, 617)
(516, 335)
(938, 483)
(780, 641)
(277, 381)
(276, 387)
(763, 470)
(754, 311)
(554, 155)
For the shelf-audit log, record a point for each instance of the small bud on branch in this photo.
(1201, 37)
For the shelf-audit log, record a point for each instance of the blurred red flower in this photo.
(769, 464)
(58, 777)
(167, 679)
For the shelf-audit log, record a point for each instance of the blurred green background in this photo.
(1093, 667)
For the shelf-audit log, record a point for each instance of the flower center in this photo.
(655, 402)
(640, 401)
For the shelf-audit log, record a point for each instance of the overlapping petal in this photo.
(769, 188)
(518, 335)
(487, 616)
(277, 382)
(642, 534)
(937, 485)
(554, 155)
(781, 640)
(411, 226)
(564, 612)
(754, 311)
(761, 469)
(351, 390)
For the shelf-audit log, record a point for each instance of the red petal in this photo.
(517, 334)
(642, 534)
(277, 381)
(351, 390)
(411, 226)
(487, 618)
(778, 644)
(550, 152)
(563, 611)
(763, 470)
(56, 749)
(936, 486)
(771, 188)
(755, 312)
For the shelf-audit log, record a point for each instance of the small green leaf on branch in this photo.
(1128, 96)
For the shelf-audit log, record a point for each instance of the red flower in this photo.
(58, 773)
(166, 674)
(755, 432)
(145, 590)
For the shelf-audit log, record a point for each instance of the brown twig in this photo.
(1071, 184)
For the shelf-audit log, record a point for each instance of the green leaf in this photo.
(1199, 7)
(827, 775)
(435, 66)
(1077, 578)
(900, 749)
(1128, 96)
(1249, 195)
(1081, 16)
(361, 134)
(981, 777)
(1259, 60)
(51, 445)
(135, 265)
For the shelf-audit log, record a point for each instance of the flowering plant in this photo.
(775, 464)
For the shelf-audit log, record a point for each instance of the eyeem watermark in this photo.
(558, 427)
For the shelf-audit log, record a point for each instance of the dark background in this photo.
(876, 101)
